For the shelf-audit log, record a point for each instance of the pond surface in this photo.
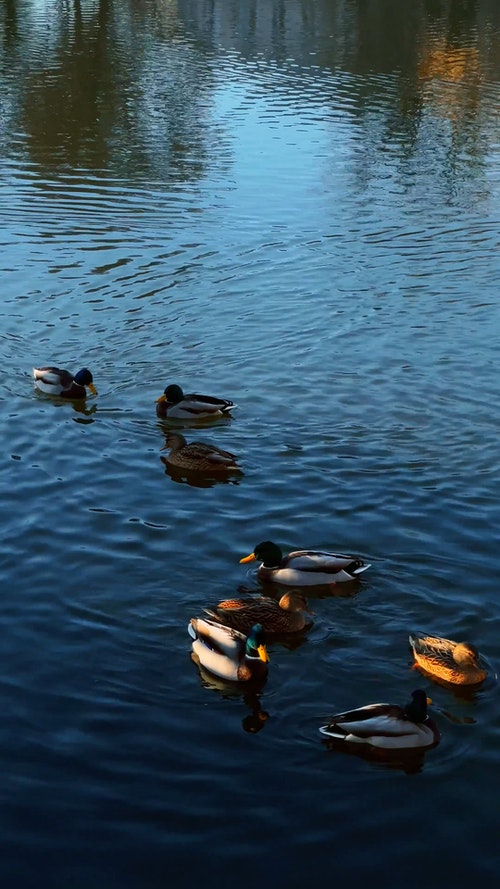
(295, 206)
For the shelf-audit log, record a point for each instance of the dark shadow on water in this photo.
(328, 591)
(249, 692)
(411, 762)
(79, 405)
(200, 479)
(88, 412)
(290, 641)
(165, 423)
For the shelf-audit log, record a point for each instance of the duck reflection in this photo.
(249, 692)
(347, 590)
(411, 762)
(87, 412)
(197, 479)
(175, 424)
(79, 406)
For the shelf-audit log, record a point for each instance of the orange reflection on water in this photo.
(443, 62)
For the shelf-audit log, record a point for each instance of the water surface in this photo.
(295, 206)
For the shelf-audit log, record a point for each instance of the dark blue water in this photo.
(296, 207)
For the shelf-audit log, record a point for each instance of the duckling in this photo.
(198, 456)
(456, 662)
(386, 726)
(304, 567)
(174, 405)
(285, 616)
(226, 652)
(62, 383)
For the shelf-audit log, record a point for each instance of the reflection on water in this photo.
(345, 590)
(249, 692)
(411, 762)
(200, 479)
(205, 423)
(80, 406)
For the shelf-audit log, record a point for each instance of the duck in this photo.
(386, 726)
(198, 456)
(226, 652)
(285, 616)
(455, 662)
(304, 567)
(175, 405)
(62, 383)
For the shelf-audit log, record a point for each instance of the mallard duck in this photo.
(226, 652)
(285, 616)
(386, 726)
(174, 405)
(304, 567)
(62, 383)
(456, 662)
(198, 456)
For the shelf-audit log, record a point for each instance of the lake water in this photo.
(295, 206)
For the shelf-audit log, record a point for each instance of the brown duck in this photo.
(456, 662)
(285, 616)
(198, 456)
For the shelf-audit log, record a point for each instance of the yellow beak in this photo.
(429, 700)
(250, 558)
(92, 389)
(161, 398)
(263, 653)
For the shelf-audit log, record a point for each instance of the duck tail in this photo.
(333, 731)
(360, 567)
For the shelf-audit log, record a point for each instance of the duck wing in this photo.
(373, 719)
(203, 404)
(433, 648)
(326, 563)
(218, 637)
(198, 450)
(53, 376)
(244, 602)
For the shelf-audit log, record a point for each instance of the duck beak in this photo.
(429, 700)
(263, 653)
(92, 389)
(250, 558)
(161, 398)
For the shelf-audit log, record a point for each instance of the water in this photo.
(296, 207)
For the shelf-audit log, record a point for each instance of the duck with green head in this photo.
(226, 652)
(304, 567)
(62, 383)
(386, 726)
(175, 405)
